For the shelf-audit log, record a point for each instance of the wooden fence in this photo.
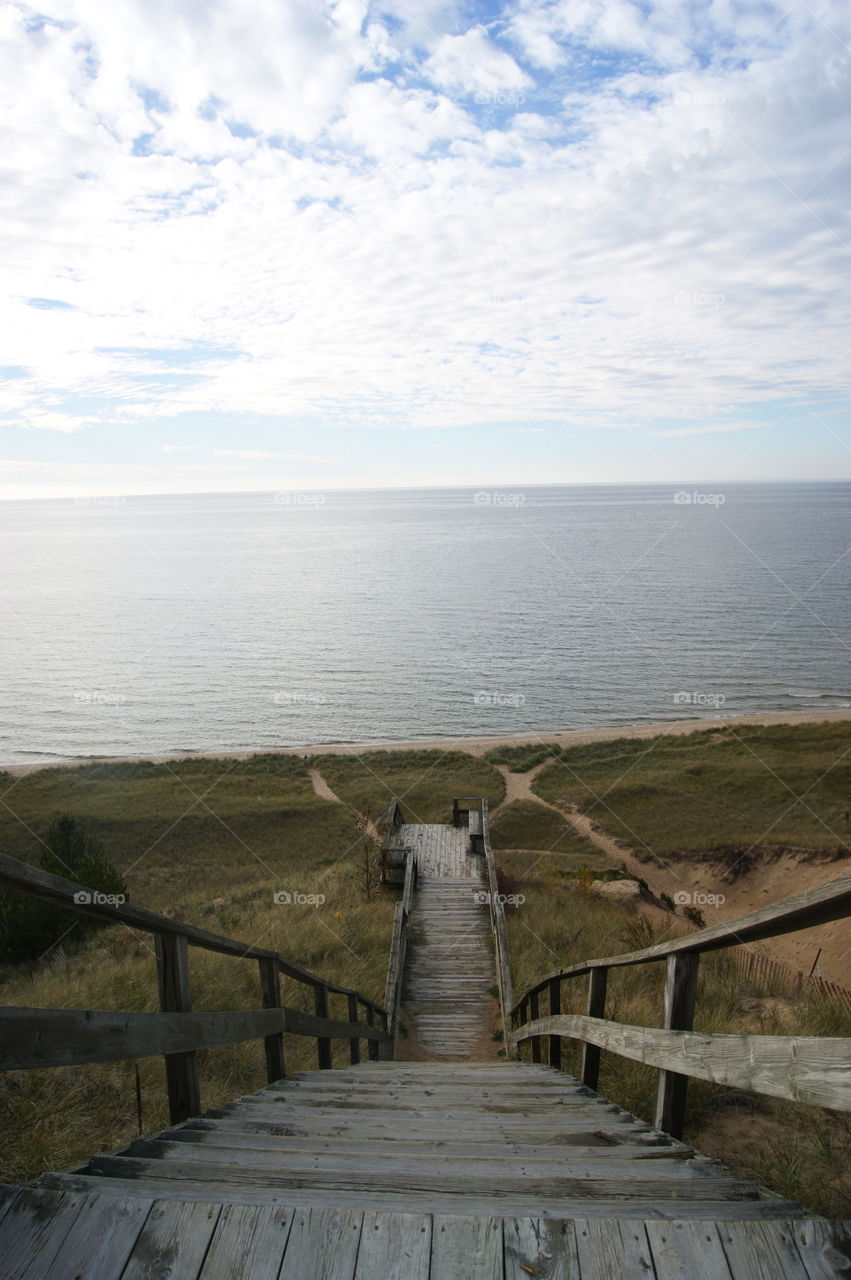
(398, 949)
(805, 1069)
(31, 1038)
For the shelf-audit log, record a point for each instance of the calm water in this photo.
(230, 621)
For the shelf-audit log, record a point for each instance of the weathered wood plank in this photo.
(248, 1241)
(613, 1247)
(394, 1247)
(684, 1250)
(540, 1248)
(432, 1201)
(466, 1248)
(322, 1245)
(100, 1240)
(173, 1241)
(762, 1250)
(33, 1231)
(825, 1247)
(802, 1068)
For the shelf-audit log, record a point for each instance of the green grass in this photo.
(522, 758)
(524, 824)
(171, 827)
(713, 790)
(425, 781)
(799, 1151)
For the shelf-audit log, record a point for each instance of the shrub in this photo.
(29, 927)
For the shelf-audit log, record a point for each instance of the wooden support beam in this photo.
(680, 993)
(554, 1042)
(323, 1044)
(354, 1043)
(533, 1014)
(175, 991)
(589, 1070)
(270, 992)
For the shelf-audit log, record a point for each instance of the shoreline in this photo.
(472, 746)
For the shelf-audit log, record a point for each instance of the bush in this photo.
(30, 927)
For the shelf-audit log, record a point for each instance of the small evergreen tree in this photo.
(29, 927)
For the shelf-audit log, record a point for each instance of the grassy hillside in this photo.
(740, 785)
(425, 781)
(799, 1151)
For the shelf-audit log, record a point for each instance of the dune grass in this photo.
(796, 1150)
(424, 781)
(524, 824)
(171, 827)
(741, 785)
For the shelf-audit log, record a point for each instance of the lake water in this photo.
(220, 622)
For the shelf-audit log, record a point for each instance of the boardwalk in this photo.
(448, 1010)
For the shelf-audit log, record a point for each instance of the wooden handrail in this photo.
(20, 877)
(500, 937)
(831, 901)
(176, 1031)
(398, 949)
(752, 1062)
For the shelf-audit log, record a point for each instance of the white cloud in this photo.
(266, 454)
(664, 240)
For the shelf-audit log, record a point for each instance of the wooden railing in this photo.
(398, 950)
(31, 1038)
(816, 1070)
(500, 938)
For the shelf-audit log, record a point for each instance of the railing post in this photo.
(555, 1009)
(371, 1045)
(270, 993)
(181, 1069)
(320, 1008)
(589, 1071)
(354, 1043)
(533, 1013)
(387, 1049)
(680, 992)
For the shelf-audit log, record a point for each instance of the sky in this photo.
(268, 244)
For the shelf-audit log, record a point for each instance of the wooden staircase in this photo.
(443, 1167)
(410, 1170)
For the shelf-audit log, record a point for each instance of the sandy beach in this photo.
(475, 746)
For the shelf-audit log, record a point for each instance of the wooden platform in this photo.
(408, 1170)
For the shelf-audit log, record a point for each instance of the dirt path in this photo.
(321, 788)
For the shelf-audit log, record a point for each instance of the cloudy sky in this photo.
(253, 244)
